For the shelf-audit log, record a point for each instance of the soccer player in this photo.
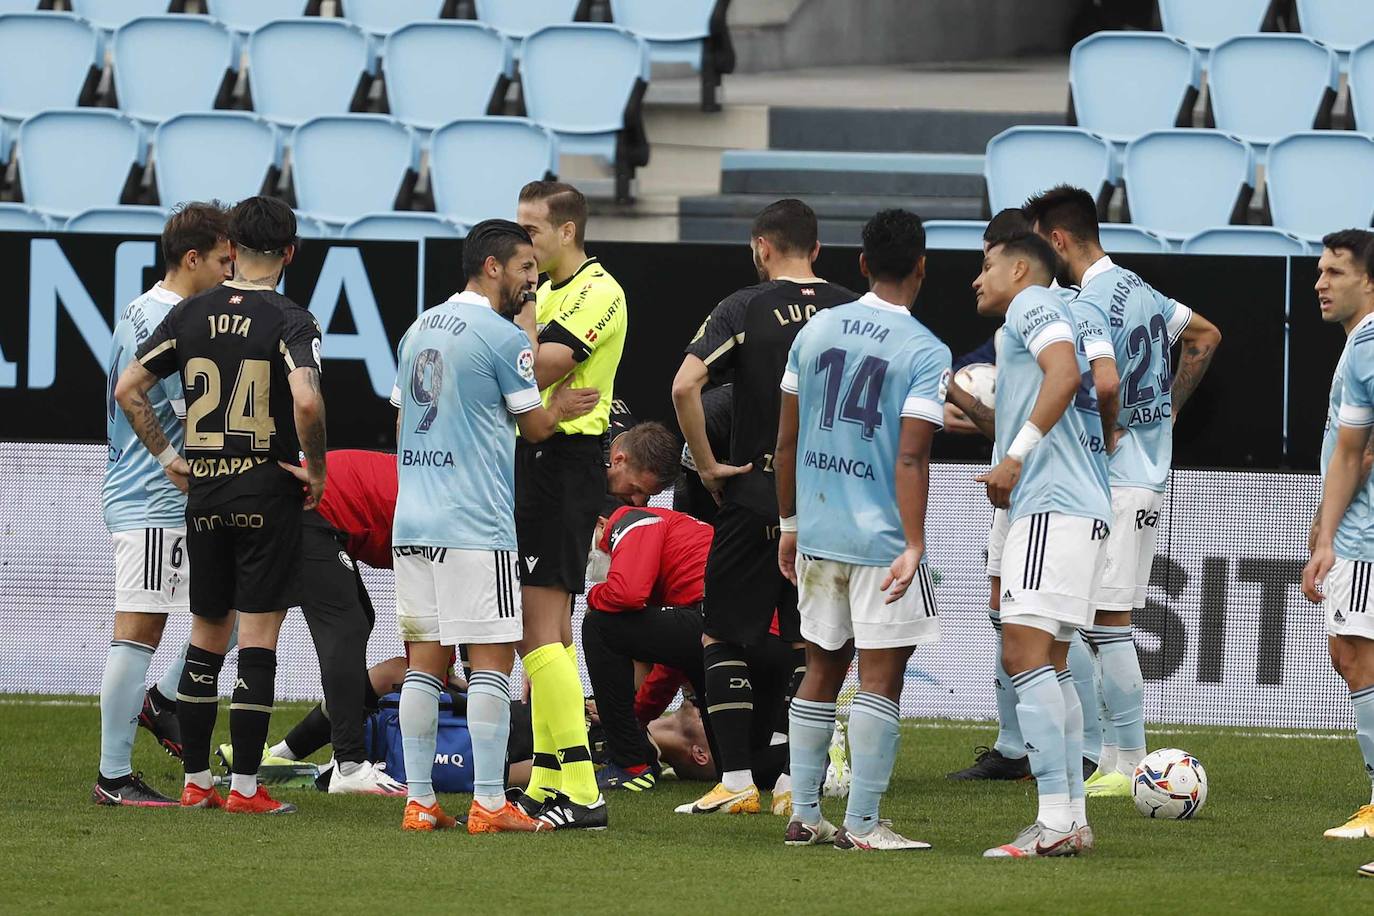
(1342, 537)
(145, 512)
(249, 361)
(1144, 326)
(863, 395)
(560, 486)
(748, 335)
(1053, 480)
(465, 379)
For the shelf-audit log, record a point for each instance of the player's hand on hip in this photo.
(314, 488)
(787, 556)
(1315, 572)
(901, 573)
(571, 403)
(1000, 481)
(715, 477)
(1115, 439)
(179, 473)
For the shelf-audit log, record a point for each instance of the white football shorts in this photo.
(1130, 549)
(997, 541)
(841, 601)
(452, 596)
(152, 572)
(1347, 604)
(1050, 570)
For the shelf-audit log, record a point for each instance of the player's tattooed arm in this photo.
(982, 416)
(1200, 341)
(308, 403)
(131, 391)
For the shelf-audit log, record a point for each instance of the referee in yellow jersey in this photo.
(560, 485)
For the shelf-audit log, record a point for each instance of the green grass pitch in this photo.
(1256, 847)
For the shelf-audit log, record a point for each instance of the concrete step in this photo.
(904, 174)
(727, 217)
(899, 131)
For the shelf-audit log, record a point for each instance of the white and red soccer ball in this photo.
(1169, 783)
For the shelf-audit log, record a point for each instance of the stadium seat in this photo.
(1023, 161)
(1122, 84)
(1179, 182)
(75, 159)
(120, 220)
(63, 48)
(302, 68)
(1342, 24)
(595, 109)
(227, 155)
(19, 6)
(684, 32)
(1206, 24)
(109, 15)
(203, 54)
(1262, 87)
(955, 234)
(1246, 240)
(307, 227)
(22, 218)
(403, 227)
(1119, 238)
(1362, 87)
(477, 167)
(246, 16)
(382, 17)
(1319, 181)
(346, 166)
(437, 72)
(518, 18)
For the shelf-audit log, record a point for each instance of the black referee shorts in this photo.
(560, 485)
(246, 554)
(743, 584)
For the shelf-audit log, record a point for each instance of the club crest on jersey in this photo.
(808, 291)
(235, 300)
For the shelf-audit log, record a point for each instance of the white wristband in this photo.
(1026, 440)
(168, 455)
(788, 525)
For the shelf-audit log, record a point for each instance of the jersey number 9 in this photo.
(426, 383)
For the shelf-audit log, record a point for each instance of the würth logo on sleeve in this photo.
(590, 335)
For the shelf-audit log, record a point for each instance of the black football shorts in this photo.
(246, 553)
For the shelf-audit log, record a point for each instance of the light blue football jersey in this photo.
(1061, 474)
(1144, 325)
(857, 370)
(137, 494)
(463, 372)
(1067, 294)
(1352, 404)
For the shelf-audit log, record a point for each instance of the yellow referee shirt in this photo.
(586, 313)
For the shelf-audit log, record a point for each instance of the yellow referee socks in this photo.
(558, 707)
(546, 777)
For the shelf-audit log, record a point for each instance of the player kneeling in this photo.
(859, 493)
(465, 380)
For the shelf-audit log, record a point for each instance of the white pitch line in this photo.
(82, 703)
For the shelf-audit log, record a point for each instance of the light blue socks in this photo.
(1083, 667)
(1123, 690)
(809, 726)
(874, 730)
(419, 718)
(489, 728)
(121, 699)
(1009, 742)
(1040, 710)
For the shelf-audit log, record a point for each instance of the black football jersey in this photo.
(234, 346)
(746, 338)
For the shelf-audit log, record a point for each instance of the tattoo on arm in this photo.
(312, 433)
(139, 411)
(983, 417)
(1191, 368)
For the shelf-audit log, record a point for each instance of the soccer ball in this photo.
(1169, 783)
(979, 380)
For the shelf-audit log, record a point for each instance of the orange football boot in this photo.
(426, 817)
(258, 803)
(194, 796)
(509, 819)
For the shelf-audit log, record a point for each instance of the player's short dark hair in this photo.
(262, 224)
(491, 238)
(1359, 242)
(789, 225)
(566, 204)
(1066, 208)
(894, 243)
(193, 226)
(1033, 248)
(1009, 222)
(650, 447)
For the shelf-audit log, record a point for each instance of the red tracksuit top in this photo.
(360, 500)
(658, 558)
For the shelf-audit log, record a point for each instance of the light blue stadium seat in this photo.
(227, 155)
(75, 159)
(382, 17)
(1362, 87)
(19, 6)
(1023, 161)
(111, 14)
(302, 68)
(167, 65)
(308, 227)
(246, 16)
(403, 227)
(1321, 181)
(1179, 182)
(596, 108)
(955, 234)
(346, 166)
(1119, 238)
(1246, 240)
(477, 167)
(1206, 23)
(1123, 84)
(518, 18)
(683, 32)
(437, 72)
(1342, 24)
(22, 218)
(63, 48)
(129, 220)
(1263, 87)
